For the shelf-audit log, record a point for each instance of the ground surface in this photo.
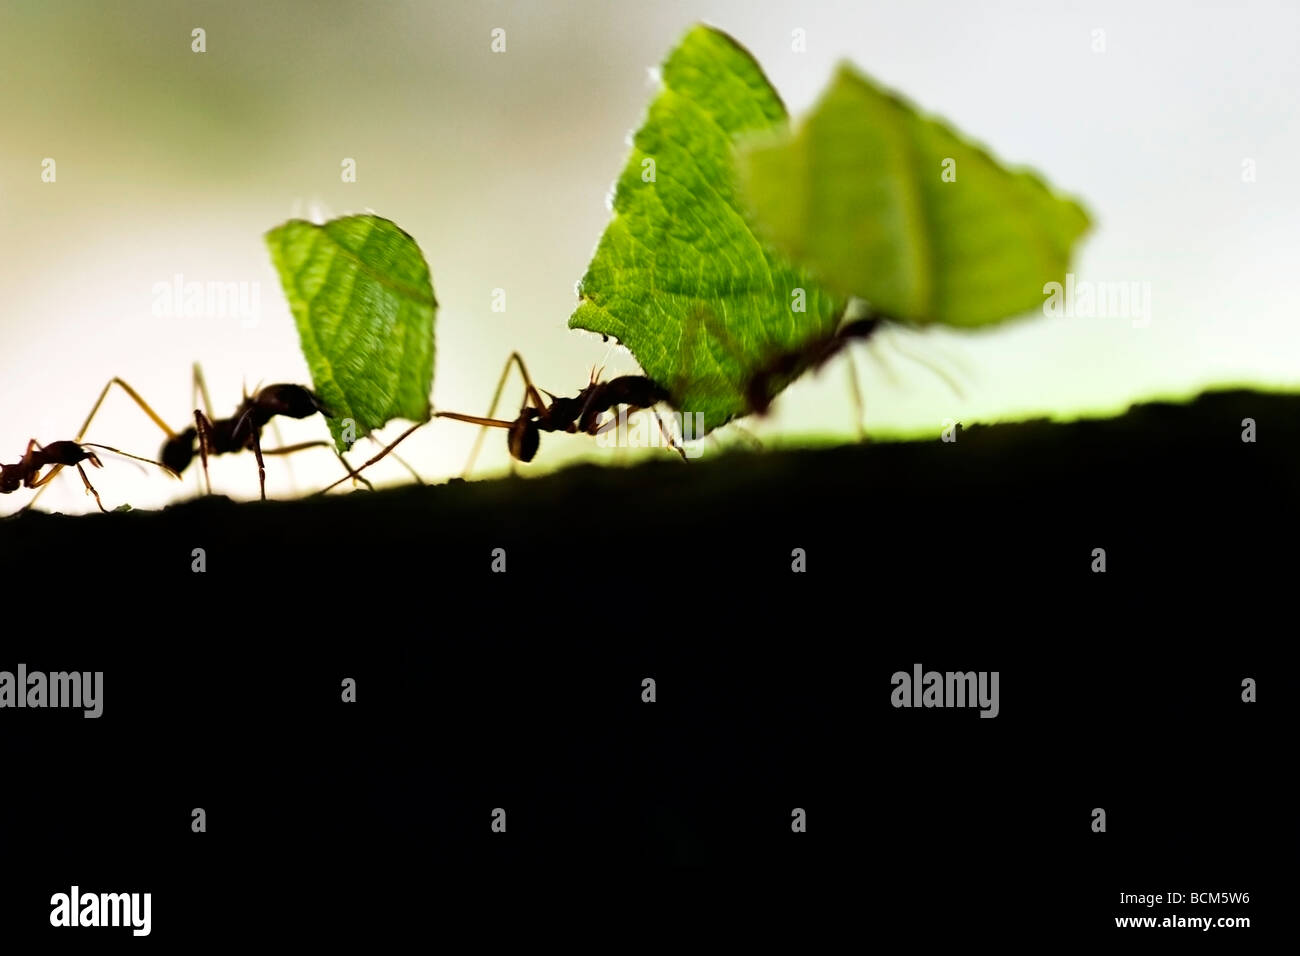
(479, 689)
(1030, 499)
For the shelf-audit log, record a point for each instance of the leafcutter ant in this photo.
(220, 436)
(579, 415)
(583, 413)
(59, 454)
(760, 385)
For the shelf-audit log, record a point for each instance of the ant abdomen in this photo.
(524, 438)
(178, 452)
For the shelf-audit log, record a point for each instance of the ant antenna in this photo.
(882, 359)
(127, 454)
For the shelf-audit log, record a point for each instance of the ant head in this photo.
(178, 452)
(293, 401)
(524, 438)
(10, 479)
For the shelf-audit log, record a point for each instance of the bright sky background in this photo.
(499, 164)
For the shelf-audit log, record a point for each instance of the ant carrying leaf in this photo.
(579, 415)
(766, 237)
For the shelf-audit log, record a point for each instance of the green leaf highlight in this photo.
(363, 301)
(858, 196)
(679, 276)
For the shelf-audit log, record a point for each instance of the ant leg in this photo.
(881, 360)
(290, 449)
(45, 479)
(86, 481)
(279, 440)
(91, 488)
(530, 394)
(135, 396)
(530, 391)
(303, 446)
(750, 436)
(261, 465)
(672, 443)
(38, 483)
(403, 462)
(474, 419)
(199, 390)
(669, 440)
(85, 426)
(355, 475)
(855, 392)
(204, 428)
(385, 451)
(937, 370)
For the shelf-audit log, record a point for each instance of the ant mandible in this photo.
(59, 454)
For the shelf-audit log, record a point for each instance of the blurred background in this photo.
(1175, 123)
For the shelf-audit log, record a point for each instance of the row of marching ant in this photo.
(583, 414)
(242, 431)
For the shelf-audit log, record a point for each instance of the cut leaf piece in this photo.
(361, 295)
(679, 276)
(898, 209)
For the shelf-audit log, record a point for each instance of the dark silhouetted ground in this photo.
(522, 689)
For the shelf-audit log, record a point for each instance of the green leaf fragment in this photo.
(363, 301)
(859, 196)
(679, 276)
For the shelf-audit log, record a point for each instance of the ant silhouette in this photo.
(760, 386)
(221, 436)
(579, 415)
(583, 413)
(59, 454)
